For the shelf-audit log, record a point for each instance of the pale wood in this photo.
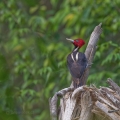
(86, 106)
(91, 49)
(87, 103)
(54, 99)
(104, 108)
(53, 106)
(114, 86)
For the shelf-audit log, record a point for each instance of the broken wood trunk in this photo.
(87, 103)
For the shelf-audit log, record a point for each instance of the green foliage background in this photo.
(33, 50)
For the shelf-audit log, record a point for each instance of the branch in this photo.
(104, 108)
(91, 49)
(53, 106)
(113, 85)
(54, 99)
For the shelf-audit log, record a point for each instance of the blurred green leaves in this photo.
(34, 50)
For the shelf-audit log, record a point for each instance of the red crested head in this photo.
(77, 42)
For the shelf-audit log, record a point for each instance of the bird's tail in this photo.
(77, 82)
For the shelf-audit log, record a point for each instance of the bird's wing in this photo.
(77, 70)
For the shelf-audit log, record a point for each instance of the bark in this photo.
(91, 49)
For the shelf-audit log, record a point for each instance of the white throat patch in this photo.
(75, 56)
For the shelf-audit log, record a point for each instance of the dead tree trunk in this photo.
(87, 103)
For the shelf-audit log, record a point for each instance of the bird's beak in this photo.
(70, 40)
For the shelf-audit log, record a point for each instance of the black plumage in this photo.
(77, 64)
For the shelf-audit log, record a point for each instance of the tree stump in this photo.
(87, 103)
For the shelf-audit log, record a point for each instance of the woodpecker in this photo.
(77, 62)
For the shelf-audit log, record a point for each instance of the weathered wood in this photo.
(88, 103)
(53, 101)
(86, 106)
(70, 104)
(53, 106)
(91, 49)
(114, 85)
(104, 108)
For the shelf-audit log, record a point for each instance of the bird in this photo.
(77, 62)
